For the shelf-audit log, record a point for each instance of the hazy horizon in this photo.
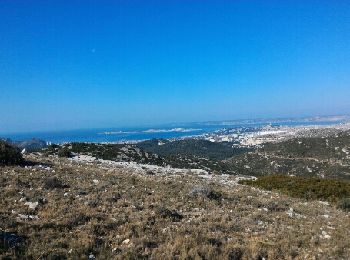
(310, 118)
(130, 63)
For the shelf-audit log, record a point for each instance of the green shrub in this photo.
(9, 155)
(54, 183)
(64, 152)
(344, 204)
(302, 187)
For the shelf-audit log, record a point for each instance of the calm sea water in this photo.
(135, 134)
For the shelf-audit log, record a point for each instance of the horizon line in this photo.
(345, 116)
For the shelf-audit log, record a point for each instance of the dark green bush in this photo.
(54, 183)
(191, 147)
(302, 187)
(64, 152)
(172, 214)
(9, 155)
(344, 204)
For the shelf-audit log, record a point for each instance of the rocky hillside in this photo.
(182, 199)
(325, 157)
(316, 156)
(185, 154)
(63, 208)
(32, 145)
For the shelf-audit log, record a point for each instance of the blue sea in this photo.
(110, 135)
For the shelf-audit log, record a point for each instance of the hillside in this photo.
(303, 156)
(185, 154)
(179, 199)
(191, 147)
(316, 156)
(63, 208)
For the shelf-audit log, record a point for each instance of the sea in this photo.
(170, 131)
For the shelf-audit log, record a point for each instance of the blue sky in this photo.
(83, 64)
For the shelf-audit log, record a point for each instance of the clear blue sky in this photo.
(81, 64)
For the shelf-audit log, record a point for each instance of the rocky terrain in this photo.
(80, 207)
(178, 199)
(323, 153)
(326, 156)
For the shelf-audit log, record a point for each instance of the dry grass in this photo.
(115, 213)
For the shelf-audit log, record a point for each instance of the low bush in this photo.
(206, 192)
(54, 183)
(9, 155)
(302, 187)
(344, 204)
(171, 214)
(64, 152)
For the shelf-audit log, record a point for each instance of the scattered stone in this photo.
(22, 199)
(324, 203)
(325, 235)
(290, 212)
(32, 205)
(126, 241)
(28, 217)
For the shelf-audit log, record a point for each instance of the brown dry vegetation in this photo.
(116, 213)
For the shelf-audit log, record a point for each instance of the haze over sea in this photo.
(178, 130)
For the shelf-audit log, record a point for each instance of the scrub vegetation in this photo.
(9, 155)
(125, 201)
(302, 187)
(78, 210)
